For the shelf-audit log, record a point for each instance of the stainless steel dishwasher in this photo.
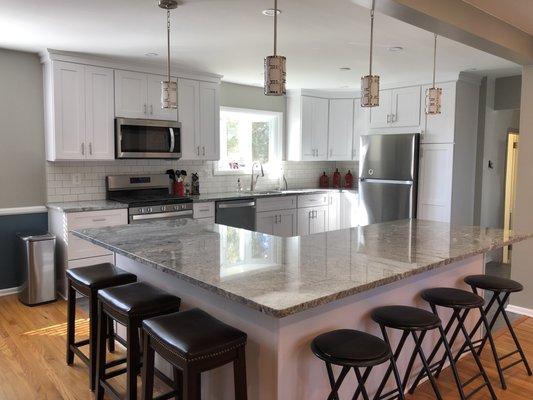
(238, 213)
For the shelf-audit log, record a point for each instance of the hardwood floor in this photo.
(32, 358)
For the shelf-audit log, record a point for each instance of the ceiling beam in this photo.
(463, 23)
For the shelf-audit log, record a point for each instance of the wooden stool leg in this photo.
(93, 327)
(133, 358)
(71, 317)
(111, 335)
(239, 371)
(191, 384)
(178, 382)
(148, 369)
(100, 353)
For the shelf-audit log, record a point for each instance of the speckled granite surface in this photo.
(283, 276)
(259, 194)
(89, 205)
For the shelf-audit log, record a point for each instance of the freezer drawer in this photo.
(381, 201)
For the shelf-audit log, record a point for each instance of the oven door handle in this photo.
(237, 205)
(161, 215)
(172, 140)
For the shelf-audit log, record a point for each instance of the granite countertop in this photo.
(89, 205)
(283, 276)
(262, 193)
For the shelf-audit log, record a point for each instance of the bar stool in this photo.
(194, 342)
(461, 302)
(129, 305)
(87, 281)
(501, 289)
(355, 349)
(417, 323)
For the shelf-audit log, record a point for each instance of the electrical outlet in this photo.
(76, 179)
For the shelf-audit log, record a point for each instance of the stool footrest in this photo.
(81, 343)
(473, 392)
(393, 394)
(110, 390)
(470, 380)
(116, 362)
(168, 395)
(512, 364)
(509, 354)
(117, 372)
(80, 354)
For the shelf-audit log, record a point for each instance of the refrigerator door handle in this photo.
(387, 181)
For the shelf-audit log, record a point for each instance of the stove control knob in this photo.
(149, 210)
(163, 208)
(141, 210)
(176, 208)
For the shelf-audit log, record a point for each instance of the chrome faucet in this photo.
(252, 183)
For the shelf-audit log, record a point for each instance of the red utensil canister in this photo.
(178, 189)
(348, 180)
(323, 181)
(336, 179)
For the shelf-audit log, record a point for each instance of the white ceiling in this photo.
(231, 38)
(518, 13)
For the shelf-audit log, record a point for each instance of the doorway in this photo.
(510, 187)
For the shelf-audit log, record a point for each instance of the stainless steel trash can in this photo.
(38, 268)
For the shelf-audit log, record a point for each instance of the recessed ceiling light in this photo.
(345, 87)
(269, 12)
(151, 54)
(345, 68)
(395, 48)
(472, 69)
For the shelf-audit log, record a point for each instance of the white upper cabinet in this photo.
(314, 125)
(341, 127)
(138, 95)
(99, 113)
(199, 115)
(439, 128)
(398, 108)
(79, 112)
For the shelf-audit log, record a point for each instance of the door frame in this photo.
(511, 164)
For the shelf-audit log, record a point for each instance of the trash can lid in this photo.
(35, 236)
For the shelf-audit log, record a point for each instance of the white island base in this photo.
(280, 364)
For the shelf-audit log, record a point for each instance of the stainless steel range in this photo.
(148, 197)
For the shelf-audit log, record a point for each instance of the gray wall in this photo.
(242, 96)
(22, 176)
(507, 93)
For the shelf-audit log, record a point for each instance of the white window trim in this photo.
(278, 140)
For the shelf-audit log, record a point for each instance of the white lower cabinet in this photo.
(278, 223)
(435, 182)
(312, 220)
(334, 211)
(349, 206)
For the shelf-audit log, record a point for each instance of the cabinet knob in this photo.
(82, 149)
(91, 148)
(152, 109)
(144, 109)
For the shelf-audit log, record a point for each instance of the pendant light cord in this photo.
(275, 26)
(371, 35)
(434, 59)
(168, 45)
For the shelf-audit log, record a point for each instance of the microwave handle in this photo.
(172, 140)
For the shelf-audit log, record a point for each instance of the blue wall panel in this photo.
(10, 225)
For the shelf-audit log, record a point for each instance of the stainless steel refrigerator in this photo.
(388, 170)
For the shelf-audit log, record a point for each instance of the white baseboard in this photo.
(528, 312)
(8, 291)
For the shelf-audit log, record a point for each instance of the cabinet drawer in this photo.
(96, 219)
(85, 262)
(203, 210)
(313, 200)
(276, 203)
(80, 248)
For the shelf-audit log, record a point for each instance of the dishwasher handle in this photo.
(236, 205)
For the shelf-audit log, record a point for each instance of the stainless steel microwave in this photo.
(146, 138)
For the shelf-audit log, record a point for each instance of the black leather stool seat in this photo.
(349, 347)
(194, 334)
(100, 276)
(493, 283)
(452, 297)
(138, 299)
(405, 318)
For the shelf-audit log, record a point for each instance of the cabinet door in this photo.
(435, 182)
(380, 116)
(334, 211)
(308, 146)
(439, 128)
(286, 223)
(265, 222)
(99, 113)
(130, 94)
(304, 221)
(189, 117)
(406, 107)
(209, 121)
(153, 102)
(349, 210)
(361, 117)
(320, 128)
(319, 222)
(69, 109)
(341, 127)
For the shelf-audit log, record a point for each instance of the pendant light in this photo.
(169, 88)
(275, 65)
(370, 83)
(433, 94)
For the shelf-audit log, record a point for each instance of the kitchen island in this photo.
(285, 291)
